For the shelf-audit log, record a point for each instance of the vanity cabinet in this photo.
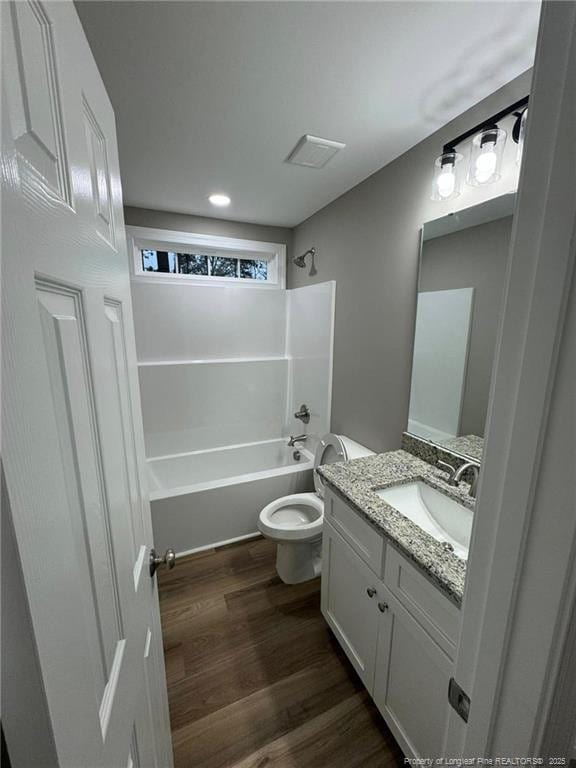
(396, 627)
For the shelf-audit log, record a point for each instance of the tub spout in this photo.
(298, 439)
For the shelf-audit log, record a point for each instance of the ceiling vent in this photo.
(313, 152)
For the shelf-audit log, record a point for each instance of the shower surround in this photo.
(222, 370)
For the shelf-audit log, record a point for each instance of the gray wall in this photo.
(182, 222)
(368, 241)
(474, 257)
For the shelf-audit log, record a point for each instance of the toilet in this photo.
(295, 522)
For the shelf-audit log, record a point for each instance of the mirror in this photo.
(463, 264)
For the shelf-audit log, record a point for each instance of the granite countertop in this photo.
(469, 445)
(357, 480)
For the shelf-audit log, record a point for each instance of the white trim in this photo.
(508, 527)
(206, 547)
(144, 237)
(331, 357)
(212, 361)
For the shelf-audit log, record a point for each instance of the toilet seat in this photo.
(297, 517)
(328, 451)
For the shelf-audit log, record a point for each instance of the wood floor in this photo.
(255, 677)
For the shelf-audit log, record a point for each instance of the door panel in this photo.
(34, 95)
(121, 377)
(67, 362)
(72, 432)
(99, 174)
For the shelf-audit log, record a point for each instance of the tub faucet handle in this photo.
(303, 414)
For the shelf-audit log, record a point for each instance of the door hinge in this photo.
(459, 699)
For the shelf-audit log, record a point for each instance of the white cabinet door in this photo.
(411, 681)
(350, 602)
(72, 435)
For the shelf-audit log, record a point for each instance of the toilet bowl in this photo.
(295, 522)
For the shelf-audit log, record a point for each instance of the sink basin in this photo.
(443, 518)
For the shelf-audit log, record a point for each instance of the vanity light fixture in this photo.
(446, 184)
(519, 132)
(488, 141)
(219, 200)
(486, 156)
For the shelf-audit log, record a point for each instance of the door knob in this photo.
(382, 607)
(169, 560)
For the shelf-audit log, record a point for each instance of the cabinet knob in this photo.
(382, 607)
(370, 592)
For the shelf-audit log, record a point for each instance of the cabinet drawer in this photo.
(361, 536)
(433, 610)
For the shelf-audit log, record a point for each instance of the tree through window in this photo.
(203, 265)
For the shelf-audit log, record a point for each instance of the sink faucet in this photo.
(473, 467)
(298, 439)
(450, 469)
(455, 474)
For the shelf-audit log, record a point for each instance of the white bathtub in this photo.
(213, 497)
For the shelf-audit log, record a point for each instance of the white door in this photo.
(350, 602)
(72, 434)
(521, 577)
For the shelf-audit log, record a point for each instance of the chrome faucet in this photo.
(303, 414)
(298, 439)
(450, 469)
(455, 474)
(475, 469)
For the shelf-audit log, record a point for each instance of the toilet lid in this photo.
(330, 450)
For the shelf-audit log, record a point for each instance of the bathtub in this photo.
(208, 498)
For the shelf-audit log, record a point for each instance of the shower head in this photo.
(300, 261)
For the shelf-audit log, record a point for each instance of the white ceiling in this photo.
(212, 96)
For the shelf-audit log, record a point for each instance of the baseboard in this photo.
(218, 544)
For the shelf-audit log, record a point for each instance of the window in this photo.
(202, 264)
(182, 256)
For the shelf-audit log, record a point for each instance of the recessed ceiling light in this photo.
(220, 200)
